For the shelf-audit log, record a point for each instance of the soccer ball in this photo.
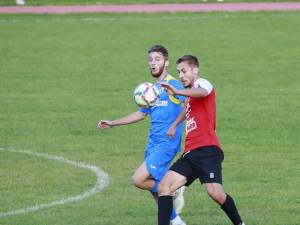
(146, 95)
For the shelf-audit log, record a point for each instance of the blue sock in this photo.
(173, 214)
(155, 187)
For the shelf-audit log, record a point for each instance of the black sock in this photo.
(231, 211)
(165, 206)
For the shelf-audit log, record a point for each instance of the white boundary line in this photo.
(102, 181)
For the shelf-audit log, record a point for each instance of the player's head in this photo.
(188, 69)
(158, 60)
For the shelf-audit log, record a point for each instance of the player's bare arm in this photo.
(131, 118)
(193, 92)
(181, 117)
(190, 92)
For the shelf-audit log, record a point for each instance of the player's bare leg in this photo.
(142, 178)
(216, 192)
(171, 182)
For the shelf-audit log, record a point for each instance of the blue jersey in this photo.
(164, 114)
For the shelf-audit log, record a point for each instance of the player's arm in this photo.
(193, 92)
(190, 92)
(176, 84)
(131, 118)
(181, 117)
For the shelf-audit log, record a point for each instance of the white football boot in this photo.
(178, 199)
(177, 221)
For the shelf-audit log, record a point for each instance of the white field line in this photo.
(102, 181)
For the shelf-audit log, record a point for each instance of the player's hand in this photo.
(171, 132)
(104, 124)
(169, 88)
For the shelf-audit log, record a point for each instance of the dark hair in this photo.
(161, 49)
(190, 59)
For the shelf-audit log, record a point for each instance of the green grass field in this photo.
(105, 2)
(60, 74)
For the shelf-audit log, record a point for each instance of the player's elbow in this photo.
(140, 116)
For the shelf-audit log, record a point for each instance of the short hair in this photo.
(161, 49)
(190, 59)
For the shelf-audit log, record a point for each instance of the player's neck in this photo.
(194, 81)
(197, 77)
(162, 76)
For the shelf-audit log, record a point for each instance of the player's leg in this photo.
(148, 175)
(210, 168)
(174, 218)
(142, 178)
(178, 199)
(180, 173)
(171, 182)
(216, 192)
(157, 162)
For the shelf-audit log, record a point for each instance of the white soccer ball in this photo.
(146, 95)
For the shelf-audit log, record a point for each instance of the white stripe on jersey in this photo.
(205, 84)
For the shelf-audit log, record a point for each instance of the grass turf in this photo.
(60, 74)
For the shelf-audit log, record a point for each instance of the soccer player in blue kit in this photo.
(161, 149)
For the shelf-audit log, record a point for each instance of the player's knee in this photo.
(213, 194)
(163, 189)
(136, 181)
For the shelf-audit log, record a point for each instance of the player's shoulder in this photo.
(177, 99)
(173, 81)
(170, 78)
(203, 83)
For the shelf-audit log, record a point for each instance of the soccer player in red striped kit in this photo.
(203, 156)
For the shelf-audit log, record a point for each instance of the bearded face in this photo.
(187, 74)
(157, 64)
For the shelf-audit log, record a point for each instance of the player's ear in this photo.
(167, 63)
(196, 70)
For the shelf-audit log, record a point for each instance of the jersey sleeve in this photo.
(205, 84)
(177, 85)
(145, 110)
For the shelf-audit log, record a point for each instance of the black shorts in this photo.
(204, 163)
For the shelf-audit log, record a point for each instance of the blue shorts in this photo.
(158, 157)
